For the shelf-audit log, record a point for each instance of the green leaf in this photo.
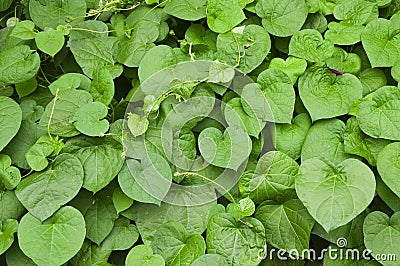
(176, 246)
(149, 217)
(9, 175)
(289, 138)
(121, 201)
(238, 241)
(131, 50)
(223, 15)
(54, 241)
(381, 42)
(59, 113)
(356, 142)
(10, 120)
(334, 194)
(44, 193)
(4, 5)
(356, 12)
(123, 236)
(18, 64)
(143, 255)
(387, 195)
(10, 207)
(344, 33)
(292, 66)
(277, 89)
(156, 59)
(372, 79)
(100, 217)
(137, 125)
(90, 254)
(90, 119)
(382, 235)
(388, 166)
(344, 62)
(27, 87)
(36, 156)
(69, 81)
(378, 116)
(101, 159)
(56, 12)
(24, 30)
(15, 257)
(228, 149)
(148, 180)
(325, 140)
(282, 18)
(309, 44)
(50, 42)
(7, 229)
(272, 179)
(246, 46)
(210, 259)
(287, 225)
(92, 53)
(327, 95)
(102, 86)
(186, 9)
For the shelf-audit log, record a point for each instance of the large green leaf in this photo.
(378, 116)
(101, 159)
(381, 42)
(282, 17)
(57, 12)
(176, 246)
(10, 206)
(18, 64)
(123, 236)
(59, 113)
(143, 255)
(223, 15)
(287, 225)
(327, 95)
(382, 235)
(389, 167)
(10, 120)
(238, 241)
(45, 192)
(7, 229)
(186, 9)
(335, 194)
(54, 241)
(272, 179)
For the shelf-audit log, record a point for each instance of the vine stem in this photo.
(52, 112)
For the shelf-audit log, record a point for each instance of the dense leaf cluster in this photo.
(271, 122)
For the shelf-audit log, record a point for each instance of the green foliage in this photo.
(198, 132)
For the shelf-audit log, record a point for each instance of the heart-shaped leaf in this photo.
(377, 116)
(7, 229)
(50, 42)
(9, 175)
(282, 17)
(292, 66)
(382, 235)
(10, 120)
(309, 44)
(89, 119)
(54, 241)
(289, 138)
(43, 193)
(335, 194)
(381, 41)
(238, 241)
(36, 156)
(389, 167)
(143, 255)
(342, 61)
(287, 225)
(137, 125)
(344, 33)
(326, 94)
(223, 15)
(176, 246)
(146, 181)
(273, 178)
(228, 149)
